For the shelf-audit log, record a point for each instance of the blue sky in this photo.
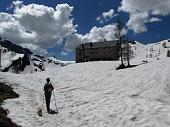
(144, 22)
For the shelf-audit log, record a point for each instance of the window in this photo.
(91, 52)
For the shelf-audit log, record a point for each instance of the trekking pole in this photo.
(55, 102)
(43, 99)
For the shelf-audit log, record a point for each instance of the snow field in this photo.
(95, 94)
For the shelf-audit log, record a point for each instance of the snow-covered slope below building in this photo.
(95, 94)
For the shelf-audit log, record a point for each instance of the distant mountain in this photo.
(17, 59)
(13, 47)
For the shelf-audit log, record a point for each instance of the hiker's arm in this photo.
(44, 87)
(52, 87)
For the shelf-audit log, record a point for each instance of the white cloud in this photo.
(137, 22)
(106, 16)
(74, 40)
(37, 25)
(153, 19)
(37, 50)
(143, 7)
(156, 7)
(99, 19)
(17, 3)
(107, 32)
(64, 53)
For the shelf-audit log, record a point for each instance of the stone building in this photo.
(96, 51)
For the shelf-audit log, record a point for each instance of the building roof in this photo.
(98, 44)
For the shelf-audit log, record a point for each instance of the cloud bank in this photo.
(144, 11)
(37, 26)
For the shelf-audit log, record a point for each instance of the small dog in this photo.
(39, 111)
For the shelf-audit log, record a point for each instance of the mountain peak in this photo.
(13, 47)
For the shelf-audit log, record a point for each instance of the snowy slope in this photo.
(8, 57)
(17, 59)
(95, 94)
(36, 63)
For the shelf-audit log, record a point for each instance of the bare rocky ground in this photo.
(6, 92)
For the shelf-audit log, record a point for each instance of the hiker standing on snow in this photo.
(48, 88)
